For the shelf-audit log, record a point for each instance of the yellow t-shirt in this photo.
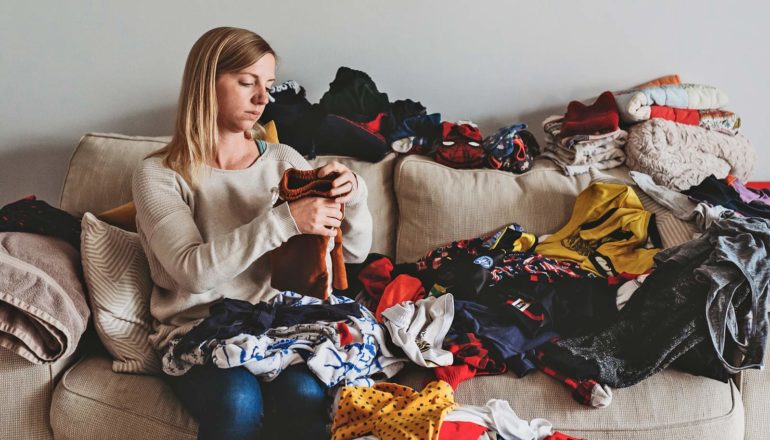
(608, 233)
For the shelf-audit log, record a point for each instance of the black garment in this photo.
(287, 316)
(462, 277)
(718, 192)
(500, 328)
(700, 361)
(353, 95)
(339, 135)
(424, 129)
(575, 306)
(725, 272)
(38, 217)
(231, 317)
(295, 118)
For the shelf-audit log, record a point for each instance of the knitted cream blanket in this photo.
(680, 156)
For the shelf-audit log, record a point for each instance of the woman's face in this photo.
(242, 96)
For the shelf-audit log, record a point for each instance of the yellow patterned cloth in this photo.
(609, 232)
(390, 410)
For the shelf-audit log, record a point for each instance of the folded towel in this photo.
(43, 308)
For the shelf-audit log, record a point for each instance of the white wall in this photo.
(67, 68)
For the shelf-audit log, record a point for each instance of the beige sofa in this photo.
(416, 205)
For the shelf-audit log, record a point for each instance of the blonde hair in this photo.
(220, 50)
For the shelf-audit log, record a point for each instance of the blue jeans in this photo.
(233, 404)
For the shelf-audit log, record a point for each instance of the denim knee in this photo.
(297, 395)
(227, 403)
(298, 388)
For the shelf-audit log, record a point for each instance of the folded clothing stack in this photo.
(576, 153)
(690, 104)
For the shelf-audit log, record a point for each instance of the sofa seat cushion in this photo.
(670, 404)
(91, 401)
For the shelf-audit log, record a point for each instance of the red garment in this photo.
(758, 185)
(375, 125)
(617, 280)
(599, 117)
(460, 146)
(471, 359)
(682, 115)
(402, 288)
(375, 277)
(561, 436)
(581, 389)
(454, 375)
(345, 336)
(461, 431)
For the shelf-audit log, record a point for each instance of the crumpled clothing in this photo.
(347, 352)
(725, 272)
(354, 95)
(498, 416)
(353, 364)
(390, 410)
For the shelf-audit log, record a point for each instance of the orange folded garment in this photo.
(299, 265)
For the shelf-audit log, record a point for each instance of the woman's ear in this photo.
(249, 134)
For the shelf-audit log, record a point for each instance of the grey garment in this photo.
(712, 288)
(680, 205)
(738, 260)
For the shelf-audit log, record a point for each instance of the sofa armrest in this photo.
(755, 391)
(26, 390)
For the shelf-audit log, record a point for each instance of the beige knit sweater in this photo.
(211, 242)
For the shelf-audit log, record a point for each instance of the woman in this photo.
(206, 220)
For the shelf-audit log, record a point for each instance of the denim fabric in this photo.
(233, 404)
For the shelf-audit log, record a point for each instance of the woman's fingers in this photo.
(341, 189)
(344, 185)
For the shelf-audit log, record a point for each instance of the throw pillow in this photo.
(119, 285)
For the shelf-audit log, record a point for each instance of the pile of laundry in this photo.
(568, 304)
(353, 118)
(677, 133)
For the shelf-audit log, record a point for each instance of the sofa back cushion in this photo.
(438, 204)
(100, 170)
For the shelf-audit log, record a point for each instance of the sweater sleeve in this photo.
(175, 241)
(357, 226)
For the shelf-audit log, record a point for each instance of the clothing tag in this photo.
(437, 290)
(274, 195)
(521, 304)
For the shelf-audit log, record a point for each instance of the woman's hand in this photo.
(346, 183)
(316, 215)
